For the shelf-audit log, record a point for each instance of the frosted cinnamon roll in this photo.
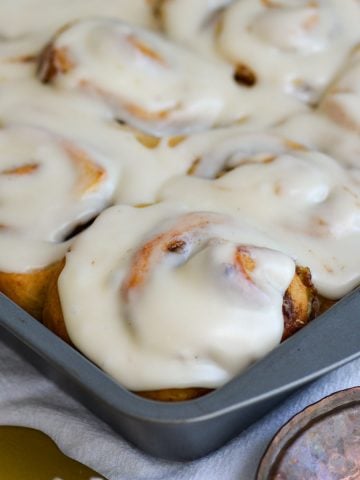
(49, 187)
(297, 45)
(147, 81)
(180, 302)
(145, 161)
(150, 83)
(307, 202)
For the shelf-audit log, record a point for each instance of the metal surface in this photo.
(188, 430)
(321, 442)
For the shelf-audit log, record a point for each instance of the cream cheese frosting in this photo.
(27, 25)
(149, 82)
(305, 201)
(342, 100)
(197, 32)
(145, 161)
(152, 84)
(297, 45)
(49, 185)
(319, 132)
(185, 298)
(26, 17)
(334, 127)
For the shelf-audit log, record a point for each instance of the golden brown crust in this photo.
(29, 290)
(174, 394)
(301, 304)
(52, 316)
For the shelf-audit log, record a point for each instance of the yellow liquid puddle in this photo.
(27, 454)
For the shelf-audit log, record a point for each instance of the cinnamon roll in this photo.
(150, 83)
(298, 46)
(307, 202)
(49, 187)
(145, 161)
(147, 81)
(180, 303)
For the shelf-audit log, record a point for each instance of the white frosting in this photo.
(148, 81)
(191, 317)
(151, 83)
(305, 201)
(48, 186)
(192, 22)
(26, 25)
(298, 46)
(342, 101)
(319, 132)
(17, 59)
(68, 114)
(24, 17)
(334, 128)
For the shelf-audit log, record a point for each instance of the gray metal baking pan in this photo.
(188, 430)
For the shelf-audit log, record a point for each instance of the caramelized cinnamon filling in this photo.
(26, 169)
(53, 61)
(244, 75)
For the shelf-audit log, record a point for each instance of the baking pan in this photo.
(188, 430)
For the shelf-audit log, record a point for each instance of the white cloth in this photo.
(29, 399)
